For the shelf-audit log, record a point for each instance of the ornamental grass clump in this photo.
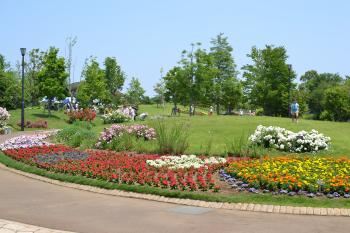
(286, 140)
(172, 139)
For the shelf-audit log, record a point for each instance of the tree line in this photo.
(268, 84)
(201, 78)
(46, 76)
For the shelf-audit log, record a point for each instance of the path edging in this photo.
(216, 205)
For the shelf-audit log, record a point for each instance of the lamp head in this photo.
(23, 51)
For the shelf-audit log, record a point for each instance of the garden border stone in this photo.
(217, 205)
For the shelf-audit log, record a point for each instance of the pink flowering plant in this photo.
(115, 133)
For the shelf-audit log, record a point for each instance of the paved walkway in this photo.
(41, 204)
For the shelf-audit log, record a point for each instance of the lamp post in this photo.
(23, 52)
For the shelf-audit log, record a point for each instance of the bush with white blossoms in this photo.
(25, 142)
(4, 117)
(115, 116)
(286, 140)
(184, 161)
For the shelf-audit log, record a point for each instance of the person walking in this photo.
(211, 110)
(294, 111)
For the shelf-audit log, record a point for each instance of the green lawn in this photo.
(215, 129)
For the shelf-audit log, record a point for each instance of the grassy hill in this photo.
(214, 130)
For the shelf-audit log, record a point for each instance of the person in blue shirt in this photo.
(294, 111)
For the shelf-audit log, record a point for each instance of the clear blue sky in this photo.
(147, 35)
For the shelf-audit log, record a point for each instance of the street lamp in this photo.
(23, 52)
(290, 85)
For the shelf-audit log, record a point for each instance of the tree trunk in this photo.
(217, 108)
(50, 103)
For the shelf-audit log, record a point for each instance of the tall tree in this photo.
(159, 88)
(223, 61)
(94, 85)
(316, 84)
(9, 86)
(268, 82)
(52, 78)
(135, 92)
(33, 67)
(176, 86)
(114, 75)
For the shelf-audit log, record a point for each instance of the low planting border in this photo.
(244, 202)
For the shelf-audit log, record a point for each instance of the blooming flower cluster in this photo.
(286, 140)
(115, 116)
(294, 174)
(185, 161)
(25, 142)
(4, 117)
(115, 131)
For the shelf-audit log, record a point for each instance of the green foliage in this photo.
(32, 69)
(9, 86)
(52, 78)
(336, 104)
(94, 85)
(172, 139)
(226, 88)
(268, 81)
(114, 76)
(77, 135)
(135, 92)
(315, 86)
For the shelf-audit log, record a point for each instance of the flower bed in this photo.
(115, 131)
(285, 140)
(119, 167)
(308, 175)
(25, 141)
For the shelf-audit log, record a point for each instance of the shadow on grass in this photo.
(44, 115)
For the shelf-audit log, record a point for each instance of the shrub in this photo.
(115, 117)
(285, 140)
(77, 136)
(172, 139)
(118, 137)
(81, 115)
(4, 117)
(35, 124)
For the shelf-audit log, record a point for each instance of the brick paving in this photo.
(16, 227)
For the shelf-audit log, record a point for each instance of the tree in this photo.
(114, 76)
(94, 84)
(223, 62)
(316, 84)
(176, 86)
(159, 88)
(52, 78)
(135, 92)
(268, 82)
(336, 104)
(9, 86)
(33, 67)
(231, 94)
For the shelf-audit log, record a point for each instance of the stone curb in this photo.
(7, 226)
(215, 205)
